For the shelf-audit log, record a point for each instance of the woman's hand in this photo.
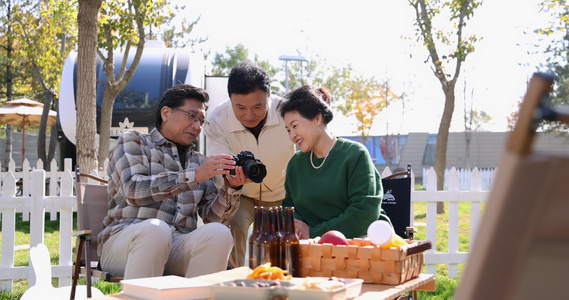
(302, 229)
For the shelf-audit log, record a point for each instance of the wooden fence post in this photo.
(66, 228)
(432, 217)
(454, 190)
(37, 222)
(8, 229)
(475, 186)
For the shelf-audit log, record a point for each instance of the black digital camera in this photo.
(253, 168)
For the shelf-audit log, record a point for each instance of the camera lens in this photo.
(254, 170)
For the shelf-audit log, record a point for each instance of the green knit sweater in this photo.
(344, 194)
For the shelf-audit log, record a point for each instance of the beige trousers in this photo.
(150, 249)
(240, 223)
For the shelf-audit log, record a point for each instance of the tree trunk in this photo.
(86, 142)
(442, 140)
(424, 16)
(8, 149)
(115, 84)
(52, 144)
(9, 82)
(467, 127)
(41, 150)
(109, 96)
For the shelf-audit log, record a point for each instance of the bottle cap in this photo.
(380, 232)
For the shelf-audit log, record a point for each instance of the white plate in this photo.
(352, 289)
(233, 290)
(293, 290)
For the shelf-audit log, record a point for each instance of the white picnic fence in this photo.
(464, 177)
(60, 199)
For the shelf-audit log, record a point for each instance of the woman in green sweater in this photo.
(331, 182)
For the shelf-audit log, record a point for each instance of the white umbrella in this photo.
(24, 112)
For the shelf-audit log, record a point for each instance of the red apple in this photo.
(333, 237)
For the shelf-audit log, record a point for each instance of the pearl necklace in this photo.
(325, 157)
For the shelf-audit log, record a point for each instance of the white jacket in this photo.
(226, 135)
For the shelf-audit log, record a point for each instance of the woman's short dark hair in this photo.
(309, 102)
(246, 77)
(176, 96)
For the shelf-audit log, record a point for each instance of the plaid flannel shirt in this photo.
(146, 180)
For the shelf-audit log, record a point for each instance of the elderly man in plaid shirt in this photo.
(158, 184)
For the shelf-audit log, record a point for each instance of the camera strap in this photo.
(225, 217)
(261, 193)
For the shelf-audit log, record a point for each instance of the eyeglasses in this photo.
(193, 117)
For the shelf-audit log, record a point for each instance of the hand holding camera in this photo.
(253, 168)
(221, 164)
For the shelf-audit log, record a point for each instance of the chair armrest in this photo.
(394, 175)
(82, 232)
(420, 247)
(101, 180)
(410, 231)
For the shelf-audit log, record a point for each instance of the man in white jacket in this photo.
(249, 121)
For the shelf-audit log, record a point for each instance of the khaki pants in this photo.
(240, 223)
(150, 249)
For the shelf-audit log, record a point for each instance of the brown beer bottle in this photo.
(268, 242)
(290, 247)
(253, 246)
(279, 230)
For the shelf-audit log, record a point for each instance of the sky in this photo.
(377, 39)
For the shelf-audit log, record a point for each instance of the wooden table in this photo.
(423, 282)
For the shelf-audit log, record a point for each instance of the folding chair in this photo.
(397, 201)
(521, 250)
(92, 207)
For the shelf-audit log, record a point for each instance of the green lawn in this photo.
(445, 286)
(51, 240)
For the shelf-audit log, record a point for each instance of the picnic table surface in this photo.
(423, 282)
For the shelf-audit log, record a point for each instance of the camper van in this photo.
(135, 106)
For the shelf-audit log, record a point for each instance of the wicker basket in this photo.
(361, 259)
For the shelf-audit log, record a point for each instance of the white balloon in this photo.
(380, 232)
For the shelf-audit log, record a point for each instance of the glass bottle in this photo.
(290, 247)
(268, 242)
(279, 230)
(253, 245)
